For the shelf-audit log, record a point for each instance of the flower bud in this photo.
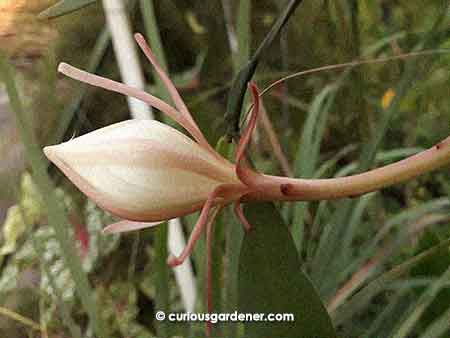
(142, 170)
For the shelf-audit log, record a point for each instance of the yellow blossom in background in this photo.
(387, 98)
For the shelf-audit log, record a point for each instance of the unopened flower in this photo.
(142, 170)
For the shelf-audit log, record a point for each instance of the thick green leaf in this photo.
(271, 280)
(64, 7)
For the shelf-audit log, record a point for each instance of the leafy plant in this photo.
(367, 266)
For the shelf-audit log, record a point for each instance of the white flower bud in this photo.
(142, 170)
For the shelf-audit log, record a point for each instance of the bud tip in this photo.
(62, 67)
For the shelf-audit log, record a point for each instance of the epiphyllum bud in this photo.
(145, 171)
(142, 170)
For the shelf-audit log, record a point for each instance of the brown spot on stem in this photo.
(286, 189)
(443, 143)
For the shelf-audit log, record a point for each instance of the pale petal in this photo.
(125, 225)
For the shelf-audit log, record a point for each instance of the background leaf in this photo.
(239, 87)
(271, 280)
(64, 7)
(56, 214)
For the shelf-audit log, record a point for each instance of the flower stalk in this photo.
(291, 189)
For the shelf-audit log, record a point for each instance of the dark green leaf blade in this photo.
(64, 7)
(239, 87)
(271, 280)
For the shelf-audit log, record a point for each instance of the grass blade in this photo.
(239, 87)
(152, 32)
(27, 322)
(363, 297)
(422, 303)
(68, 113)
(64, 7)
(330, 255)
(439, 327)
(386, 316)
(309, 148)
(56, 215)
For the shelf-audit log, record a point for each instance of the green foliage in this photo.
(56, 214)
(29, 210)
(239, 87)
(433, 267)
(271, 280)
(120, 311)
(64, 7)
